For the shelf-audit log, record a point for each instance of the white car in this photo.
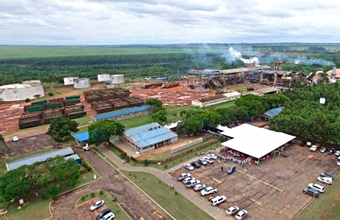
(317, 187)
(86, 147)
(192, 183)
(15, 139)
(326, 180)
(97, 204)
(199, 187)
(338, 163)
(313, 148)
(187, 179)
(241, 214)
(213, 156)
(207, 191)
(183, 176)
(218, 200)
(337, 153)
(109, 216)
(232, 210)
(189, 166)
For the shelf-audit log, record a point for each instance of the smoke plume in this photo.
(235, 55)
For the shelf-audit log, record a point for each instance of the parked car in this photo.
(218, 200)
(317, 187)
(196, 164)
(338, 163)
(97, 205)
(15, 139)
(337, 153)
(327, 175)
(232, 210)
(323, 150)
(330, 151)
(86, 147)
(326, 180)
(313, 148)
(187, 179)
(241, 214)
(183, 176)
(207, 191)
(309, 144)
(203, 162)
(213, 156)
(231, 169)
(189, 167)
(311, 192)
(108, 216)
(192, 183)
(199, 187)
(102, 214)
(302, 143)
(211, 160)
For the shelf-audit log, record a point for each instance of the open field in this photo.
(83, 206)
(272, 190)
(14, 52)
(38, 209)
(177, 205)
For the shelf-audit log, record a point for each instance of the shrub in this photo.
(27, 100)
(93, 194)
(114, 199)
(50, 94)
(146, 162)
(101, 192)
(176, 193)
(122, 155)
(83, 198)
(166, 166)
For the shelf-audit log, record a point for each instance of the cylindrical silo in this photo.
(69, 80)
(82, 83)
(104, 78)
(117, 79)
(17, 92)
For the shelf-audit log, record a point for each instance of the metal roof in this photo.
(245, 69)
(150, 134)
(81, 136)
(273, 112)
(39, 158)
(73, 156)
(267, 90)
(121, 112)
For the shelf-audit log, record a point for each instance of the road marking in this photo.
(257, 202)
(284, 208)
(264, 182)
(159, 215)
(218, 181)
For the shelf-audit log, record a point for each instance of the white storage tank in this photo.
(69, 80)
(19, 92)
(104, 78)
(82, 83)
(117, 79)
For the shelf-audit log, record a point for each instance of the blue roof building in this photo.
(121, 113)
(271, 113)
(39, 158)
(81, 137)
(148, 137)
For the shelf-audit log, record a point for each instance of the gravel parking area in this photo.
(272, 190)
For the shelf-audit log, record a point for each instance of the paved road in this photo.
(215, 212)
(132, 200)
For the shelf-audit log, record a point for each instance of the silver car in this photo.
(199, 187)
(241, 214)
(232, 210)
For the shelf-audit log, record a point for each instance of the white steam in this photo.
(235, 55)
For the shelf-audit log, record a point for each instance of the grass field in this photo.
(176, 204)
(109, 203)
(38, 209)
(14, 52)
(326, 207)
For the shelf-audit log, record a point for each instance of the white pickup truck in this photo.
(86, 148)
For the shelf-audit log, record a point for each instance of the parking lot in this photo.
(83, 210)
(272, 190)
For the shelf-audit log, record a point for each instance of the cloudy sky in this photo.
(67, 22)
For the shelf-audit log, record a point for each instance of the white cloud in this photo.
(167, 21)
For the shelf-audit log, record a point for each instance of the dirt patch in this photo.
(83, 211)
(272, 190)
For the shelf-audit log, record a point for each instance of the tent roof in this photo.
(81, 136)
(273, 112)
(254, 141)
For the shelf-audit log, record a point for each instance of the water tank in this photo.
(104, 78)
(69, 80)
(322, 101)
(117, 79)
(16, 92)
(82, 83)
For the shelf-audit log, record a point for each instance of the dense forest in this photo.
(51, 64)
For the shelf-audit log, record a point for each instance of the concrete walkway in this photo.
(202, 203)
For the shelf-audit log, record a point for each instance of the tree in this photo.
(228, 115)
(193, 125)
(211, 118)
(27, 100)
(61, 128)
(101, 131)
(51, 94)
(2, 139)
(154, 103)
(37, 96)
(160, 117)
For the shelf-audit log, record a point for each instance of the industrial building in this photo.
(334, 74)
(104, 77)
(18, 92)
(148, 137)
(82, 138)
(117, 79)
(253, 141)
(69, 80)
(123, 114)
(64, 152)
(217, 99)
(82, 83)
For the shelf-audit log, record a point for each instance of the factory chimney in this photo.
(334, 73)
(277, 65)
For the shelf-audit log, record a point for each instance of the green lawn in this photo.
(240, 88)
(109, 203)
(177, 205)
(138, 121)
(326, 207)
(83, 121)
(38, 209)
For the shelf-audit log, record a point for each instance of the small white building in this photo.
(69, 80)
(117, 79)
(217, 99)
(104, 77)
(148, 137)
(82, 83)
